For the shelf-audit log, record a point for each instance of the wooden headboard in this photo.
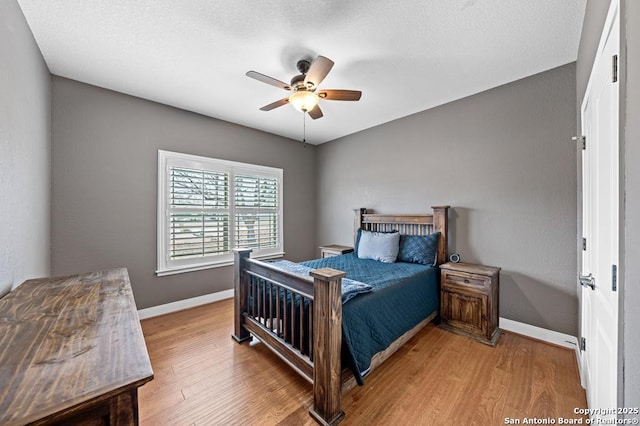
(408, 224)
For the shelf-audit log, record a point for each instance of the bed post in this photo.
(441, 224)
(240, 334)
(327, 345)
(357, 223)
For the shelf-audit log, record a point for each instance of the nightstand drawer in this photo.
(465, 279)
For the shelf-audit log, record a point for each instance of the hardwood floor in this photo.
(202, 377)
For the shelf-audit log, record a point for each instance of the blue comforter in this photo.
(403, 294)
(350, 288)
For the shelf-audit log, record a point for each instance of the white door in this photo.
(600, 207)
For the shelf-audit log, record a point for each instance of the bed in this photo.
(306, 313)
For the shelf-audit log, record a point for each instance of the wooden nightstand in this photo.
(469, 296)
(334, 250)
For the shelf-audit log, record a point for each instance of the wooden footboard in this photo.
(300, 318)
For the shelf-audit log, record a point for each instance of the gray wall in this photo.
(104, 185)
(595, 16)
(25, 135)
(504, 160)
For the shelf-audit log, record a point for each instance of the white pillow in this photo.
(379, 246)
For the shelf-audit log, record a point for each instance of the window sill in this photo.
(183, 269)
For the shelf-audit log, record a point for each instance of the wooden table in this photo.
(72, 351)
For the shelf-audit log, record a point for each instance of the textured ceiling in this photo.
(405, 56)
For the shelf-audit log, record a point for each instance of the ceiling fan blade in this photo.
(269, 80)
(340, 95)
(316, 112)
(318, 70)
(275, 104)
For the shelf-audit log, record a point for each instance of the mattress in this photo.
(403, 295)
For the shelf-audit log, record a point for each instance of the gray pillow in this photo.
(380, 246)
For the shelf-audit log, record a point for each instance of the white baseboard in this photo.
(538, 333)
(180, 305)
(549, 336)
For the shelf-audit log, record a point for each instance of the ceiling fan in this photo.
(304, 86)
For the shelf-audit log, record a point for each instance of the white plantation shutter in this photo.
(256, 211)
(207, 207)
(199, 213)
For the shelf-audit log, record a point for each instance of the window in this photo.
(207, 207)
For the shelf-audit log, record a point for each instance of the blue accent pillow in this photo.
(380, 246)
(421, 249)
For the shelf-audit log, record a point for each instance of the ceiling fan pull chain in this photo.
(304, 129)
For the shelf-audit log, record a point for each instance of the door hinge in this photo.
(581, 139)
(584, 244)
(583, 344)
(614, 71)
(614, 277)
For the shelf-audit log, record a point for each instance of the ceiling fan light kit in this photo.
(303, 100)
(304, 97)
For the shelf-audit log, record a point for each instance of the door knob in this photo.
(587, 281)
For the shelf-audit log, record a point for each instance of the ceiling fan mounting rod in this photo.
(303, 66)
(298, 81)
